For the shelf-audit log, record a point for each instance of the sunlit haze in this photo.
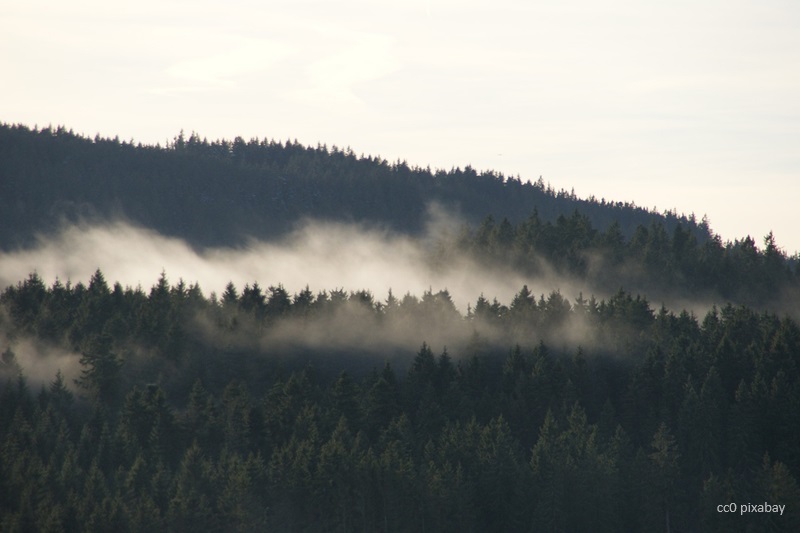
(684, 105)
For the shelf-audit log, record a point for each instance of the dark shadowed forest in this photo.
(218, 193)
(260, 408)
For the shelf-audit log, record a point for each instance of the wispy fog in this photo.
(323, 256)
(39, 361)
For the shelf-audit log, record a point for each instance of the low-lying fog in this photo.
(323, 256)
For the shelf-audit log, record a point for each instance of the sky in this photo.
(693, 106)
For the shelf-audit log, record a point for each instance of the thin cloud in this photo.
(221, 70)
(333, 78)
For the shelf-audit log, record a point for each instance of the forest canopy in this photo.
(653, 381)
(261, 408)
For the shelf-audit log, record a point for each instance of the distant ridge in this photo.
(221, 192)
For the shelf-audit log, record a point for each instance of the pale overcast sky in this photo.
(686, 105)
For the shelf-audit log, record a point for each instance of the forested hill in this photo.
(266, 409)
(218, 193)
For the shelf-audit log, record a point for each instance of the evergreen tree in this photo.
(100, 375)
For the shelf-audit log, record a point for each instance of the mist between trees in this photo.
(494, 259)
(503, 382)
(259, 408)
(485, 291)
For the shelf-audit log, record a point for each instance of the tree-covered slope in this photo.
(222, 415)
(220, 192)
(666, 266)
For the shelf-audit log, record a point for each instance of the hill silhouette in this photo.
(221, 192)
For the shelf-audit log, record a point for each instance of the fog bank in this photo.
(323, 256)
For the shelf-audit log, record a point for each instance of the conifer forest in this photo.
(654, 379)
